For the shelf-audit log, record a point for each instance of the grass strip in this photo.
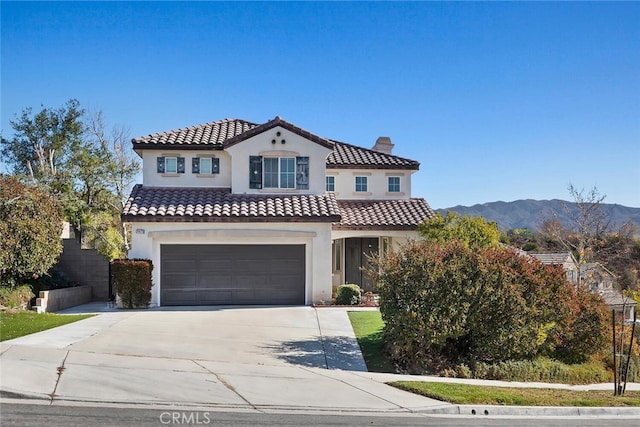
(368, 327)
(464, 394)
(18, 324)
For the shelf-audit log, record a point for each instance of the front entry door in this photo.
(356, 252)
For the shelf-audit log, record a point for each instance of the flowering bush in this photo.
(450, 303)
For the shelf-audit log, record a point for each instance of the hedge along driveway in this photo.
(132, 281)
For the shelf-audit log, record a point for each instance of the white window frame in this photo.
(330, 181)
(203, 161)
(389, 188)
(267, 171)
(361, 184)
(287, 178)
(282, 177)
(168, 160)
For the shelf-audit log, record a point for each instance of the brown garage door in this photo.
(232, 274)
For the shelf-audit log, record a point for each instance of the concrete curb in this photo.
(536, 411)
(10, 394)
(479, 411)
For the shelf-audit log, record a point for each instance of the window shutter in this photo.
(195, 165)
(302, 173)
(255, 172)
(160, 164)
(180, 164)
(215, 165)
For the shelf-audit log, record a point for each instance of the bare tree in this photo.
(588, 224)
(119, 166)
(88, 168)
(122, 166)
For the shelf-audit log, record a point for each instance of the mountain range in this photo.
(530, 213)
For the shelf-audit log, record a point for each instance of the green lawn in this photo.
(368, 326)
(14, 325)
(469, 395)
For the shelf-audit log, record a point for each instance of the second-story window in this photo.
(279, 172)
(170, 164)
(288, 172)
(205, 165)
(330, 183)
(393, 184)
(361, 184)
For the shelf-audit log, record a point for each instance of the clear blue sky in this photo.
(498, 101)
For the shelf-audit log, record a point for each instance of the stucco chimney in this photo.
(383, 145)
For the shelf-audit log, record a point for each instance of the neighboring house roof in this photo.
(383, 214)
(595, 268)
(225, 133)
(515, 249)
(555, 258)
(181, 204)
(349, 156)
(614, 298)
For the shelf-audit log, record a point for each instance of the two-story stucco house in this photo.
(234, 212)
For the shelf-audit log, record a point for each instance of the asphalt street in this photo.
(80, 416)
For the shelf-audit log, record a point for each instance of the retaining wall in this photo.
(85, 267)
(58, 299)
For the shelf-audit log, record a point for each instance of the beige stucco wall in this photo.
(345, 180)
(147, 238)
(151, 177)
(261, 145)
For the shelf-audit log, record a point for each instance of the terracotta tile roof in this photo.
(349, 156)
(383, 214)
(180, 204)
(227, 132)
(282, 123)
(212, 134)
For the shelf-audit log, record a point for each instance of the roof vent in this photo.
(383, 145)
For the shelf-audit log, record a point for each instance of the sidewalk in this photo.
(82, 364)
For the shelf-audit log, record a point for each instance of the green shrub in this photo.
(538, 370)
(15, 297)
(449, 304)
(30, 225)
(463, 371)
(131, 279)
(348, 294)
(53, 279)
(634, 369)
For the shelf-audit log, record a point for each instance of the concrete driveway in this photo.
(267, 359)
(303, 336)
(253, 358)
